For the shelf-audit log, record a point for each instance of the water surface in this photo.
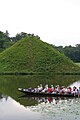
(15, 107)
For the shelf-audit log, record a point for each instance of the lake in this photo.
(15, 107)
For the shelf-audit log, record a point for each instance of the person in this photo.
(63, 90)
(46, 88)
(69, 90)
(51, 89)
(75, 90)
(40, 88)
(57, 89)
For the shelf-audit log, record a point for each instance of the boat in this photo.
(45, 94)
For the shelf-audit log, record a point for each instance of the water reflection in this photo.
(65, 109)
(12, 110)
(3, 97)
(46, 100)
(49, 108)
(10, 84)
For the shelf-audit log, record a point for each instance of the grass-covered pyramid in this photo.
(31, 55)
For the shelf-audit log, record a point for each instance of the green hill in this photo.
(31, 55)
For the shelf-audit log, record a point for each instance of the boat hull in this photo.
(44, 94)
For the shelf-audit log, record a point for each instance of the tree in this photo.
(7, 33)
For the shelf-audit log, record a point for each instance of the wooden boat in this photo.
(45, 94)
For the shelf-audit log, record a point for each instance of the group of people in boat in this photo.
(57, 89)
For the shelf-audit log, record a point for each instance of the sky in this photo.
(56, 21)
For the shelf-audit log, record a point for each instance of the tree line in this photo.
(72, 52)
(6, 41)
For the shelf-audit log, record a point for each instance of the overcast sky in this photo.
(55, 21)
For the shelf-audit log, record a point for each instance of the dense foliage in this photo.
(72, 52)
(31, 55)
(4, 40)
